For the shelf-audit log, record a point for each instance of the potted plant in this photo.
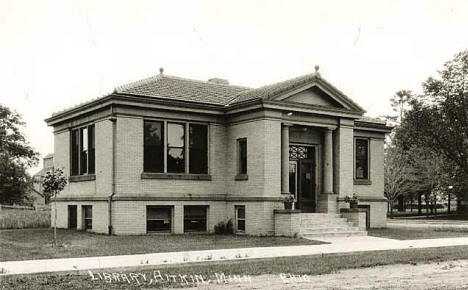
(288, 201)
(352, 200)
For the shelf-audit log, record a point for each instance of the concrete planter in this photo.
(355, 215)
(287, 222)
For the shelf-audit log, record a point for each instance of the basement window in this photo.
(158, 219)
(195, 218)
(240, 219)
(88, 217)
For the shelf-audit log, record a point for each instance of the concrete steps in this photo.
(327, 225)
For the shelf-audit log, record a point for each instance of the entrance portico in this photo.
(307, 166)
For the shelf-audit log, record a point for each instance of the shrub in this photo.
(224, 228)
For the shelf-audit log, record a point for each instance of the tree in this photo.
(16, 156)
(400, 104)
(398, 175)
(438, 119)
(52, 184)
(430, 173)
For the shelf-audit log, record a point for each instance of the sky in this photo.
(57, 54)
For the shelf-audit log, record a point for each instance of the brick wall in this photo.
(129, 165)
(344, 161)
(378, 209)
(376, 170)
(129, 217)
(100, 215)
(103, 171)
(263, 158)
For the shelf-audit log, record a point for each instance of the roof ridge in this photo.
(206, 82)
(160, 76)
(306, 77)
(140, 82)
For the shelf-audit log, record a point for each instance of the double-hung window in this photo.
(82, 151)
(175, 147)
(361, 156)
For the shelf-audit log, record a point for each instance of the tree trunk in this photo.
(419, 204)
(55, 219)
(391, 209)
(448, 203)
(426, 200)
(411, 203)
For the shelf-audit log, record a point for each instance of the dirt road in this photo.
(443, 275)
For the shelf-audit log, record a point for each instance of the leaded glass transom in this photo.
(298, 152)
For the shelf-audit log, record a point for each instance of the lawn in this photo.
(402, 233)
(310, 265)
(20, 219)
(36, 243)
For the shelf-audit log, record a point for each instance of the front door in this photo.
(302, 177)
(307, 186)
(72, 216)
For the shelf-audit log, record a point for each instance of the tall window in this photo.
(362, 159)
(198, 146)
(175, 148)
(82, 151)
(154, 146)
(242, 155)
(165, 147)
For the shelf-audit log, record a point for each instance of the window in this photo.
(198, 148)
(82, 151)
(175, 148)
(361, 170)
(165, 147)
(240, 218)
(88, 217)
(195, 218)
(242, 155)
(154, 146)
(158, 219)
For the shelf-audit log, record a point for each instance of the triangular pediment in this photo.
(314, 96)
(320, 93)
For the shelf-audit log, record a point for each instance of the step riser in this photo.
(327, 225)
(341, 234)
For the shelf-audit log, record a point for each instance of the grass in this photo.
(402, 233)
(21, 219)
(36, 244)
(310, 265)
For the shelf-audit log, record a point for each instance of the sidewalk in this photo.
(422, 223)
(337, 245)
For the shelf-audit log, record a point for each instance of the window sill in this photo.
(79, 178)
(180, 176)
(240, 177)
(362, 182)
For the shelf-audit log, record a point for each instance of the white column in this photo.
(328, 162)
(285, 158)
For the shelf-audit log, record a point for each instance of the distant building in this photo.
(36, 193)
